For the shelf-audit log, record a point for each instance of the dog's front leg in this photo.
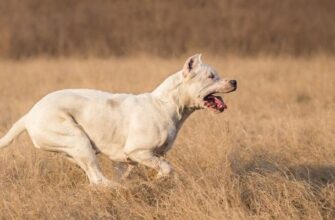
(147, 158)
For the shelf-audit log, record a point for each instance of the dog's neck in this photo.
(173, 94)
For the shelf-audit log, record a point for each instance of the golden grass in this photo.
(165, 28)
(270, 156)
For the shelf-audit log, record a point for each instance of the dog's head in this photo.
(202, 85)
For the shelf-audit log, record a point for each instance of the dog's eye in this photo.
(211, 76)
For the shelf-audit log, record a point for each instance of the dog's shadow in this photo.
(318, 175)
(312, 174)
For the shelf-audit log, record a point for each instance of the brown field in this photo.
(165, 28)
(271, 155)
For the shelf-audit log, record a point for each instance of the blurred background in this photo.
(165, 28)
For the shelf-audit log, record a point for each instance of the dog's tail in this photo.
(15, 130)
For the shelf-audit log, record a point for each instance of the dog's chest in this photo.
(170, 136)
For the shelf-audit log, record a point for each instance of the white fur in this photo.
(127, 128)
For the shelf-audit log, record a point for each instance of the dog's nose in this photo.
(233, 83)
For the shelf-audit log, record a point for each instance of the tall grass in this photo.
(165, 28)
(271, 155)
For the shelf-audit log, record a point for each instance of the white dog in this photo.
(127, 128)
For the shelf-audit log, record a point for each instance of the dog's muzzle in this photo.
(233, 83)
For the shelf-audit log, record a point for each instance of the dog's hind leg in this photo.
(87, 160)
(70, 138)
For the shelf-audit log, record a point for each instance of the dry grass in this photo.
(270, 156)
(165, 28)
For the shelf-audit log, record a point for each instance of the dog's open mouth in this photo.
(214, 103)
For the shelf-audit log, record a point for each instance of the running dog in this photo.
(129, 129)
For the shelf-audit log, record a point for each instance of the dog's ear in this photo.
(191, 63)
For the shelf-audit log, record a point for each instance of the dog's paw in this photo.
(165, 169)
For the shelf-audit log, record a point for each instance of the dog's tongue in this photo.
(220, 105)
